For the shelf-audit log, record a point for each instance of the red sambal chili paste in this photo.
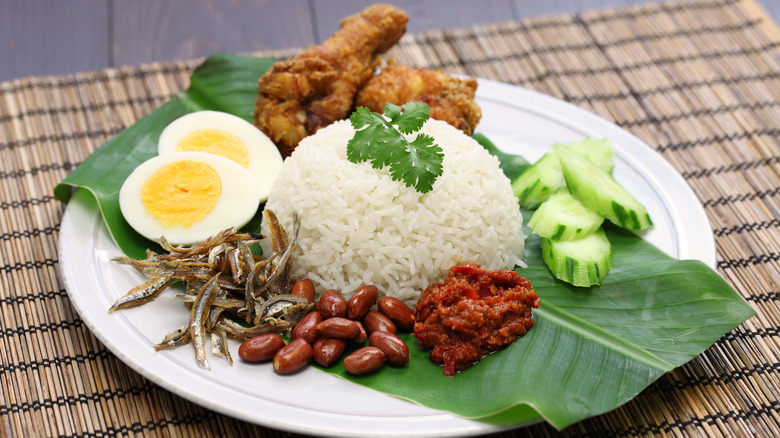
(472, 314)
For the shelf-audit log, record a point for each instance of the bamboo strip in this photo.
(699, 81)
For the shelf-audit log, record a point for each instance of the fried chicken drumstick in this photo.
(317, 87)
(451, 99)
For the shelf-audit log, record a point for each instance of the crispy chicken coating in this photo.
(317, 87)
(451, 99)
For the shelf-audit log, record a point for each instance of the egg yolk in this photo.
(181, 193)
(216, 141)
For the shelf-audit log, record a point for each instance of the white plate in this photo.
(313, 402)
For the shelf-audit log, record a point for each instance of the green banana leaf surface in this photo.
(223, 83)
(591, 350)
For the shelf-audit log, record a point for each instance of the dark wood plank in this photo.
(772, 8)
(424, 15)
(52, 37)
(525, 8)
(152, 30)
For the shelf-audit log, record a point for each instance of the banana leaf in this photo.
(222, 82)
(591, 350)
(511, 165)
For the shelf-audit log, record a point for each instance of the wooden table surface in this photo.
(53, 37)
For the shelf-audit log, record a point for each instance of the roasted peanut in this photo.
(328, 350)
(260, 348)
(361, 301)
(307, 327)
(338, 327)
(331, 304)
(394, 348)
(364, 360)
(375, 321)
(292, 356)
(398, 312)
(304, 288)
(362, 335)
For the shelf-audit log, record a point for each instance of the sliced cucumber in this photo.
(563, 217)
(539, 181)
(582, 262)
(599, 191)
(598, 150)
(545, 177)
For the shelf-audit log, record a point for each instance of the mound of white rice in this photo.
(360, 227)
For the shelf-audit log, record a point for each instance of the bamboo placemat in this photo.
(699, 81)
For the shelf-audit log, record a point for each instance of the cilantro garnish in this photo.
(417, 163)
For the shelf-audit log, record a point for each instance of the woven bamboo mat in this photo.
(699, 81)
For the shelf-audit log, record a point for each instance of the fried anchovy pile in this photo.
(230, 291)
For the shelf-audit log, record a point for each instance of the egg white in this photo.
(265, 161)
(237, 204)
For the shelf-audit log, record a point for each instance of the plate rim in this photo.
(550, 107)
(630, 148)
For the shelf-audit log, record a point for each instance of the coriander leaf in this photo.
(361, 118)
(363, 145)
(417, 164)
(420, 165)
(368, 135)
(388, 154)
(414, 116)
(392, 112)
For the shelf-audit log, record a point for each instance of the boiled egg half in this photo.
(188, 196)
(226, 135)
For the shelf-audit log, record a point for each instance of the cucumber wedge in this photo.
(598, 150)
(599, 191)
(584, 262)
(539, 181)
(563, 217)
(545, 177)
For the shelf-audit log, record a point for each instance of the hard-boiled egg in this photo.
(188, 196)
(226, 135)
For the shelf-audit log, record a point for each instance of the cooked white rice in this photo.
(360, 227)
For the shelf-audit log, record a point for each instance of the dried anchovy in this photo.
(142, 294)
(230, 291)
(219, 344)
(174, 339)
(198, 317)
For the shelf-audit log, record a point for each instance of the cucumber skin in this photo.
(545, 177)
(636, 220)
(576, 271)
(597, 150)
(560, 231)
(539, 182)
(630, 214)
(558, 210)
